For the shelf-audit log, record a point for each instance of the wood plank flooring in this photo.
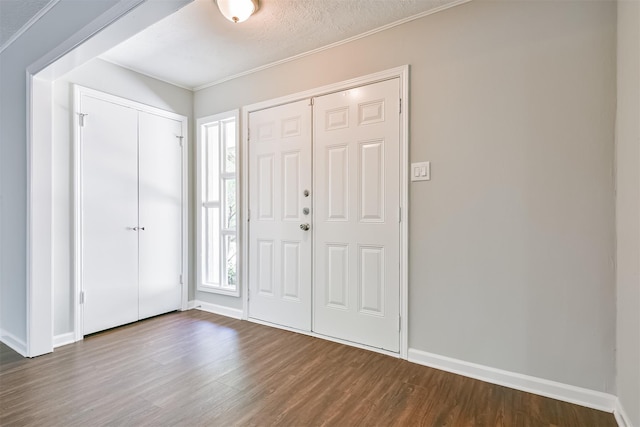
(196, 368)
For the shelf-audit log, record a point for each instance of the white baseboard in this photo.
(216, 309)
(14, 342)
(192, 304)
(555, 390)
(64, 339)
(622, 418)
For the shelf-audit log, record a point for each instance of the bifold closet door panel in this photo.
(109, 159)
(160, 210)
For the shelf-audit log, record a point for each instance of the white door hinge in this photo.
(248, 215)
(399, 214)
(312, 102)
(81, 118)
(400, 110)
(180, 138)
(181, 280)
(82, 297)
(399, 323)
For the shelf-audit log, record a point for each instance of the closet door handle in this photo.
(138, 228)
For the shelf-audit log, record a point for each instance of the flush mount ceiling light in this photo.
(237, 10)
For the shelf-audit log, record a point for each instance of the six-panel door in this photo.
(357, 200)
(354, 223)
(279, 192)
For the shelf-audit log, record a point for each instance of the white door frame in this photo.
(78, 92)
(403, 74)
(115, 25)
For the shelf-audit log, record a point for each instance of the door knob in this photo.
(304, 227)
(138, 228)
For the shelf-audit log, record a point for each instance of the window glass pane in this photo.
(212, 165)
(230, 146)
(230, 204)
(213, 245)
(230, 257)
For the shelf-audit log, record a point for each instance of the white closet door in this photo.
(160, 210)
(357, 230)
(279, 249)
(109, 168)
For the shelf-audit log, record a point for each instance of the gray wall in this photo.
(115, 80)
(512, 241)
(13, 155)
(628, 208)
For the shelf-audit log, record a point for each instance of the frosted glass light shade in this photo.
(237, 10)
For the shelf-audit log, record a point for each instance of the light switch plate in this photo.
(420, 171)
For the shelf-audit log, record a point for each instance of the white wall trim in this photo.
(14, 342)
(64, 339)
(332, 45)
(401, 73)
(217, 309)
(39, 255)
(555, 390)
(35, 18)
(622, 418)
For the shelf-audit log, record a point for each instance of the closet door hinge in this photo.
(399, 214)
(248, 134)
(399, 323)
(82, 298)
(81, 118)
(312, 102)
(180, 139)
(181, 280)
(400, 106)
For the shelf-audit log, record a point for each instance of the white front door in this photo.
(357, 202)
(160, 214)
(279, 203)
(109, 162)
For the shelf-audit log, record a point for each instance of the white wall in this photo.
(512, 241)
(115, 80)
(628, 209)
(13, 156)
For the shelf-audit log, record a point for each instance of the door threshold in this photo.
(326, 337)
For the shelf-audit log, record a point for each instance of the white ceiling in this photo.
(197, 46)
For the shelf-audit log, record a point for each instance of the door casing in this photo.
(402, 73)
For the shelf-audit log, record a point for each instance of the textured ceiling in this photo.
(16, 13)
(197, 45)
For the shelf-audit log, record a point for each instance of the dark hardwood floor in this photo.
(196, 368)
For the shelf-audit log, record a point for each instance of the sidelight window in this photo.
(217, 208)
